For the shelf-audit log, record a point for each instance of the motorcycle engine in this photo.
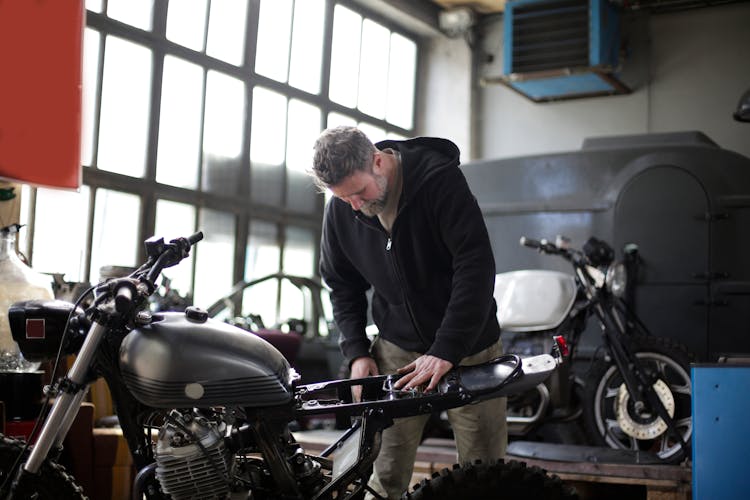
(191, 457)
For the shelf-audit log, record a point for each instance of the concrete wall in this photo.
(687, 70)
(445, 93)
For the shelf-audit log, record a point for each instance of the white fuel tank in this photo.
(533, 300)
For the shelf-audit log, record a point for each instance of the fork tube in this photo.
(70, 415)
(66, 404)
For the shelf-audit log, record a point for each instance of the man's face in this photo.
(364, 191)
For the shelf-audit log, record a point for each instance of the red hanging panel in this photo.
(41, 55)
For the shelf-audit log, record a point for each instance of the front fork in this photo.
(639, 385)
(72, 388)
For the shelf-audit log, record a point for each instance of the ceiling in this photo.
(654, 6)
(424, 16)
(479, 6)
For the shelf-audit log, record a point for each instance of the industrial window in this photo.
(202, 115)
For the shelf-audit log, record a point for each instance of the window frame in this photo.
(240, 205)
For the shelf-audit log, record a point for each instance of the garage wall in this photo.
(445, 93)
(687, 71)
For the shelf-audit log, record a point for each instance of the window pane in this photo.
(215, 257)
(222, 135)
(267, 146)
(25, 213)
(402, 70)
(186, 23)
(299, 251)
(116, 219)
(174, 220)
(372, 88)
(272, 53)
(91, 40)
(269, 127)
(307, 45)
(95, 5)
(337, 119)
(61, 217)
(299, 257)
(304, 128)
(126, 96)
(375, 134)
(136, 13)
(261, 259)
(180, 120)
(226, 31)
(347, 27)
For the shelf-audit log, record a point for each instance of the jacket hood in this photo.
(421, 159)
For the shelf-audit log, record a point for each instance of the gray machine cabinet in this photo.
(683, 200)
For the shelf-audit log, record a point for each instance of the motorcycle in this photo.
(635, 394)
(205, 406)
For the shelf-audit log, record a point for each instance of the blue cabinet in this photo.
(721, 441)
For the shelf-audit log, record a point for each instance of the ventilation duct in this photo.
(562, 49)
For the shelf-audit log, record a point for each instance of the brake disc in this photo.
(646, 425)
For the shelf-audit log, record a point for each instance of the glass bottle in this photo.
(17, 282)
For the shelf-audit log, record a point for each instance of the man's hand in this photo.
(362, 367)
(425, 369)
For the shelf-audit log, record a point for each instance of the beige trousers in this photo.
(480, 430)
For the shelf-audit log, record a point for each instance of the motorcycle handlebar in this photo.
(129, 291)
(195, 238)
(528, 242)
(541, 245)
(545, 246)
(177, 250)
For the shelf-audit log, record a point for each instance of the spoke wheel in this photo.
(612, 419)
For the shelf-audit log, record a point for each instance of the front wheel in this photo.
(501, 479)
(52, 482)
(610, 417)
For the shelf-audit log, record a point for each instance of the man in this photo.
(404, 222)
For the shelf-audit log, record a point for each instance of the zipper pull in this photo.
(388, 244)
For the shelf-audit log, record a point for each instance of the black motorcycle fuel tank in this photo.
(187, 360)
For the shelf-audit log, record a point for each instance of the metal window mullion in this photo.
(98, 100)
(418, 80)
(244, 218)
(325, 84)
(281, 239)
(206, 25)
(202, 132)
(148, 199)
(241, 219)
(240, 244)
(89, 235)
(285, 176)
(29, 250)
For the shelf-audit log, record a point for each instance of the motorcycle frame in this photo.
(376, 412)
(116, 311)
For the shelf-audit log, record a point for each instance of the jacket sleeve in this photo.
(348, 288)
(464, 233)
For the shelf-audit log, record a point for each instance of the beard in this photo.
(376, 206)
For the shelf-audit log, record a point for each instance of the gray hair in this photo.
(339, 152)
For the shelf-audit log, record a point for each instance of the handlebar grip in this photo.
(528, 242)
(124, 299)
(195, 238)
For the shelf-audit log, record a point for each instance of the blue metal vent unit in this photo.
(562, 49)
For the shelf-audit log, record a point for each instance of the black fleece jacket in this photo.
(433, 278)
